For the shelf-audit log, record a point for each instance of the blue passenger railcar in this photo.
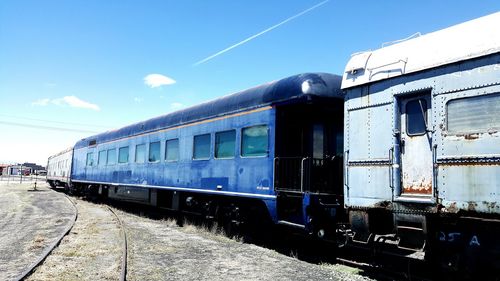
(422, 124)
(272, 149)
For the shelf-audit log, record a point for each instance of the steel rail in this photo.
(123, 273)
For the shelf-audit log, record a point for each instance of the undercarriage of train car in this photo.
(308, 166)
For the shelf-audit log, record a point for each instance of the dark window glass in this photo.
(123, 155)
(416, 117)
(172, 150)
(225, 144)
(154, 151)
(90, 159)
(111, 156)
(140, 153)
(318, 141)
(254, 141)
(201, 147)
(102, 157)
(474, 114)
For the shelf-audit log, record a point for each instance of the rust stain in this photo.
(452, 208)
(471, 206)
(471, 136)
(422, 188)
(491, 206)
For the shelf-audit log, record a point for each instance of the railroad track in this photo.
(372, 270)
(52, 246)
(123, 268)
(123, 273)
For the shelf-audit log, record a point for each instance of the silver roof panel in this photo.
(475, 38)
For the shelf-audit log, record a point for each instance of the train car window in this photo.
(201, 147)
(140, 153)
(318, 141)
(111, 156)
(123, 155)
(473, 114)
(416, 117)
(154, 152)
(90, 159)
(172, 150)
(101, 160)
(225, 144)
(254, 141)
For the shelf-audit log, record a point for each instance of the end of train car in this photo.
(274, 150)
(422, 146)
(59, 168)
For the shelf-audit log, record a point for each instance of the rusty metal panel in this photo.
(477, 139)
(470, 187)
(464, 169)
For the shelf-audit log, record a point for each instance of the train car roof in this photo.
(472, 39)
(61, 152)
(294, 87)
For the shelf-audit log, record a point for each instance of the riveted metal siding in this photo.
(368, 140)
(467, 173)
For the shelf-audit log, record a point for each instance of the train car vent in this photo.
(92, 142)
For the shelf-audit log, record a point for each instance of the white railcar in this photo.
(59, 168)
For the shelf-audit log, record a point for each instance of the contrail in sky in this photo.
(259, 34)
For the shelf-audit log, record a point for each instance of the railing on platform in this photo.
(301, 174)
(19, 178)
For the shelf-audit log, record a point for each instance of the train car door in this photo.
(416, 146)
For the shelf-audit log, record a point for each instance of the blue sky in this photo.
(71, 68)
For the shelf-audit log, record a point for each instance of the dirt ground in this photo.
(91, 251)
(158, 249)
(30, 221)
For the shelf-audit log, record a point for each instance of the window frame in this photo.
(178, 150)
(457, 99)
(209, 146)
(216, 145)
(268, 142)
(128, 154)
(159, 152)
(426, 120)
(90, 156)
(99, 157)
(107, 157)
(145, 153)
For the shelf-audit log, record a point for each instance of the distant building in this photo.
(25, 169)
(2, 168)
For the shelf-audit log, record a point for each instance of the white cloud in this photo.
(75, 102)
(137, 99)
(41, 102)
(157, 80)
(176, 105)
(67, 100)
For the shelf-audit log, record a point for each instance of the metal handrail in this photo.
(302, 174)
